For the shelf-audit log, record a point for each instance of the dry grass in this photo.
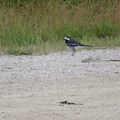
(40, 27)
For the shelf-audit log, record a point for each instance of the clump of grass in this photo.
(19, 51)
(106, 29)
(30, 27)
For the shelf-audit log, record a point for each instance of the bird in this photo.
(73, 44)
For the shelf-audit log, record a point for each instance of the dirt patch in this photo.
(33, 87)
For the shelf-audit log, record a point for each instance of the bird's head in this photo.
(67, 38)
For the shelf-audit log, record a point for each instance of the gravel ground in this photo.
(33, 87)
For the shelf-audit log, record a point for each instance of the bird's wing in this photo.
(80, 44)
(76, 42)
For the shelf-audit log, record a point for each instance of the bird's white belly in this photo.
(77, 47)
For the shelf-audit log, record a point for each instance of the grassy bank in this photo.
(31, 27)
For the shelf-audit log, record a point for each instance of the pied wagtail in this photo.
(71, 43)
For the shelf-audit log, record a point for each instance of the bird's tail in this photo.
(87, 45)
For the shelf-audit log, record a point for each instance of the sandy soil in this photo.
(33, 87)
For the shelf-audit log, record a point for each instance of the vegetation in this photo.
(39, 26)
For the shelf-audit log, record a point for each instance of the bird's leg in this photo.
(73, 49)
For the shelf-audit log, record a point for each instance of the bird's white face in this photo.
(67, 38)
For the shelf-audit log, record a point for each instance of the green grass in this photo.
(40, 27)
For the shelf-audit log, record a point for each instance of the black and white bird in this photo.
(72, 44)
